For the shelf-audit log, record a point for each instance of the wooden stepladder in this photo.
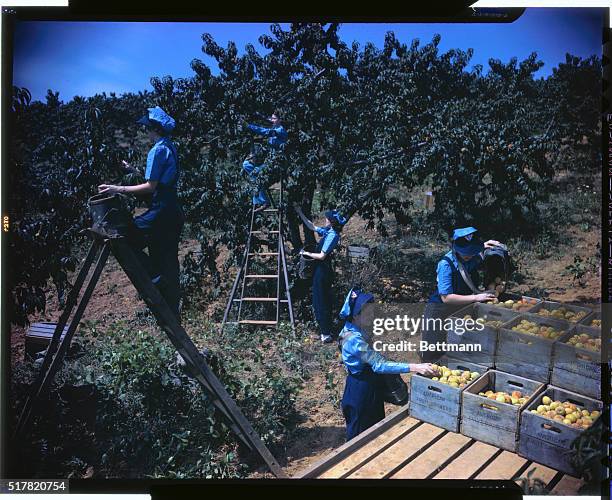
(266, 224)
(102, 246)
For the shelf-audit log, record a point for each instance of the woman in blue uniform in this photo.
(362, 402)
(322, 277)
(277, 136)
(159, 228)
(457, 277)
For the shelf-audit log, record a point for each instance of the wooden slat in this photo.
(568, 485)
(434, 457)
(466, 464)
(262, 276)
(505, 466)
(370, 449)
(256, 299)
(356, 443)
(399, 453)
(256, 322)
(263, 253)
(264, 232)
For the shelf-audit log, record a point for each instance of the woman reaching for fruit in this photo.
(362, 402)
(457, 278)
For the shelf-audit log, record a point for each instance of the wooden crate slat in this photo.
(568, 485)
(505, 466)
(466, 464)
(400, 452)
(370, 450)
(423, 465)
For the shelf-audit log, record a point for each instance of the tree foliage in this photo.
(489, 142)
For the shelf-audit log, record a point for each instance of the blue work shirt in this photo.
(277, 136)
(445, 274)
(162, 163)
(357, 354)
(329, 239)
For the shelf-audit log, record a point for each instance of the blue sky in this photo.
(85, 58)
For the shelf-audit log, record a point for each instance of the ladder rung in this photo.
(264, 232)
(262, 276)
(256, 299)
(271, 210)
(264, 253)
(256, 322)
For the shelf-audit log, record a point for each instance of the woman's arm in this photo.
(307, 222)
(453, 298)
(144, 188)
(316, 256)
(381, 365)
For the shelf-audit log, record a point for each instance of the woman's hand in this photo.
(109, 189)
(426, 369)
(484, 297)
(492, 244)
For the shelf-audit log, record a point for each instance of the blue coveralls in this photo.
(362, 402)
(449, 281)
(322, 279)
(159, 228)
(277, 137)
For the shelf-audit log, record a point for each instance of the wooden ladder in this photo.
(244, 276)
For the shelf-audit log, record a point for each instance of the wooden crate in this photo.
(492, 422)
(39, 335)
(549, 442)
(438, 403)
(487, 338)
(577, 369)
(551, 306)
(516, 350)
(532, 371)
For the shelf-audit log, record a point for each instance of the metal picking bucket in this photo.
(108, 212)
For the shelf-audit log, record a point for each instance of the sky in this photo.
(85, 58)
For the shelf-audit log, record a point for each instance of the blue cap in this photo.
(158, 116)
(466, 243)
(335, 215)
(352, 305)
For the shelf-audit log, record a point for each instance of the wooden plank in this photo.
(434, 457)
(399, 453)
(568, 485)
(265, 254)
(506, 465)
(257, 299)
(468, 463)
(257, 322)
(370, 449)
(261, 276)
(357, 442)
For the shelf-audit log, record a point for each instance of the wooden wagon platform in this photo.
(402, 447)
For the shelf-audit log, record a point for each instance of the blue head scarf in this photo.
(352, 305)
(159, 117)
